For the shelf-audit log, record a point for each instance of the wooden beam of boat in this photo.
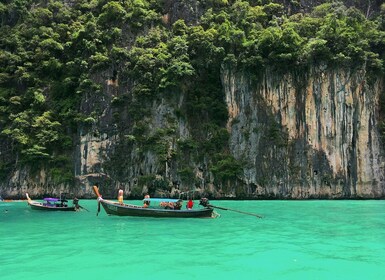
(238, 211)
(100, 198)
(96, 191)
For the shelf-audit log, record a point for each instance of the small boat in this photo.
(53, 204)
(153, 207)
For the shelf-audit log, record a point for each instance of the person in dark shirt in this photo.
(178, 205)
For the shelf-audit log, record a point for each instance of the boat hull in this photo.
(132, 210)
(49, 208)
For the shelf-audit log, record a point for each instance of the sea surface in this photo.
(294, 240)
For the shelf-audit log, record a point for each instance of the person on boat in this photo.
(146, 204)
(76, 203)
(190, 204)
(120, 197)
(178, 205)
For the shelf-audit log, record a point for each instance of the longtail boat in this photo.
(152, 207)
(53, 204)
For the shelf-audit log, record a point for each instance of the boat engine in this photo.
(204, 202)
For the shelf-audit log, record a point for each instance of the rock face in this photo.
(325, 142)
(298, 135)
(309, 134)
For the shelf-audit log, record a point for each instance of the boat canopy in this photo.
(161, 199)
(50, 199)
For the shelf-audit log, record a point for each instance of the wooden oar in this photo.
(246, 213)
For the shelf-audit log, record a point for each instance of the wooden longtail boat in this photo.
(53, 204)
(152, 207)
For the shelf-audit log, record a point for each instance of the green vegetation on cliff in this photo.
(53, 53)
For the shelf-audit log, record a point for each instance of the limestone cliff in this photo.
(298, 135)
(304, 135)
(166, 105)
(328, 118)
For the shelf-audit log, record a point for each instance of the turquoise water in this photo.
(294, 240)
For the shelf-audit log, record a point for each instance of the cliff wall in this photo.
(298, 135)
(327, 144)
(306, 132)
